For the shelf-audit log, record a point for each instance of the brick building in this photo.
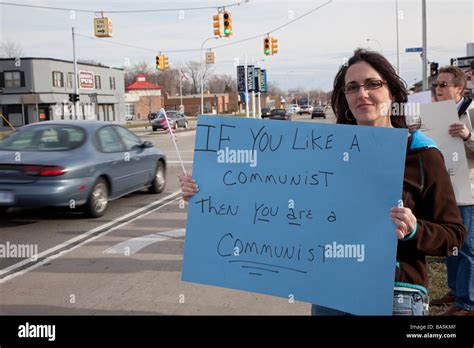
(141, 98)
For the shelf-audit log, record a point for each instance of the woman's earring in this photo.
(347, 118)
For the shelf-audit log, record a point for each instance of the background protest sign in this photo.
(305, 214)
(435, 121)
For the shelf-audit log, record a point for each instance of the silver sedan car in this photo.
(76, 164)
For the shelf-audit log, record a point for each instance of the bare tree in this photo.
(222, 84)
(144, 68)
(11, 49)
(274, 89)
(193, 70)
(168, 80)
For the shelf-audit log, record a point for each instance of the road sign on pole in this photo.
(414, 49)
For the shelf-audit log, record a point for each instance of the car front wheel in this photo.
(159, 181)
(98, 199)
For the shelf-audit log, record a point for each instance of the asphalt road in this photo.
(127, 262)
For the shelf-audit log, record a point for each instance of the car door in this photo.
(111, 155)
(142, 161)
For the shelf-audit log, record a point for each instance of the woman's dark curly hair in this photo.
(396, 85)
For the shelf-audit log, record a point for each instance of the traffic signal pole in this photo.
(76, 89)
(425, 54)
(202, 74)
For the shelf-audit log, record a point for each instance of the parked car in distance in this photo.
(128, 117)
(265, 112)
(87, 163)
(177, 119)
(305, 109)
(318, 111)
(279, 114)
(292, 109)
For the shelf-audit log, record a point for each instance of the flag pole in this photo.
(174, 140)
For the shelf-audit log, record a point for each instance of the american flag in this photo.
(166, 123)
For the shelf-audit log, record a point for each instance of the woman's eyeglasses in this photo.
(441, 85)
(368, 85)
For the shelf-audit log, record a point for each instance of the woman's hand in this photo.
(405, 221)
(188, 186)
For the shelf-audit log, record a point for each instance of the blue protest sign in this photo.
(297, 210)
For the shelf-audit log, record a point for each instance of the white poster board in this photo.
(436, 118)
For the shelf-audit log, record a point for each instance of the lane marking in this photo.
(134, 245)
(78, 241)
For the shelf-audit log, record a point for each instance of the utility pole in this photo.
(202, 74)
(76, 89)
(425, 54)
(398, 46)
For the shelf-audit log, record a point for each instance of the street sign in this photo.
(251, 78)
(462, 62)
(263, 80)
(241, 78)
(257, 80)
(93, 97)
(414, 49)
(210, 58)
(103, 27)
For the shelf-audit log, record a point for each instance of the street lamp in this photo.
(377, 41)
(202, 74)
(398, 45)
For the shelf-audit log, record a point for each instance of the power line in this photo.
(218, 46)
(137, 47)
(123, 11)
(273, 30)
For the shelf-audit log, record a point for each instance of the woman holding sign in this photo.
(366, 92)
(428, 223)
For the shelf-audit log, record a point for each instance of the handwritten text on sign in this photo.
(297, 210)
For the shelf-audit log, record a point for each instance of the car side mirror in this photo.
(147, 144)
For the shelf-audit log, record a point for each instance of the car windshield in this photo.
(44, 138)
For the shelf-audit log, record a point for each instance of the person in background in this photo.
(450, 85)
(429, 222)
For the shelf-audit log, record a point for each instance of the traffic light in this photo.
(274, 46)
(267, 50)
(227, 24)
(165, 62)
(217, 22)
(433, 69)
(159, 62)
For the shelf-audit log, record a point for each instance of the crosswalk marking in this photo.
(132, 246)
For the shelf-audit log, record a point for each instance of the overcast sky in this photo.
(310, 49)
